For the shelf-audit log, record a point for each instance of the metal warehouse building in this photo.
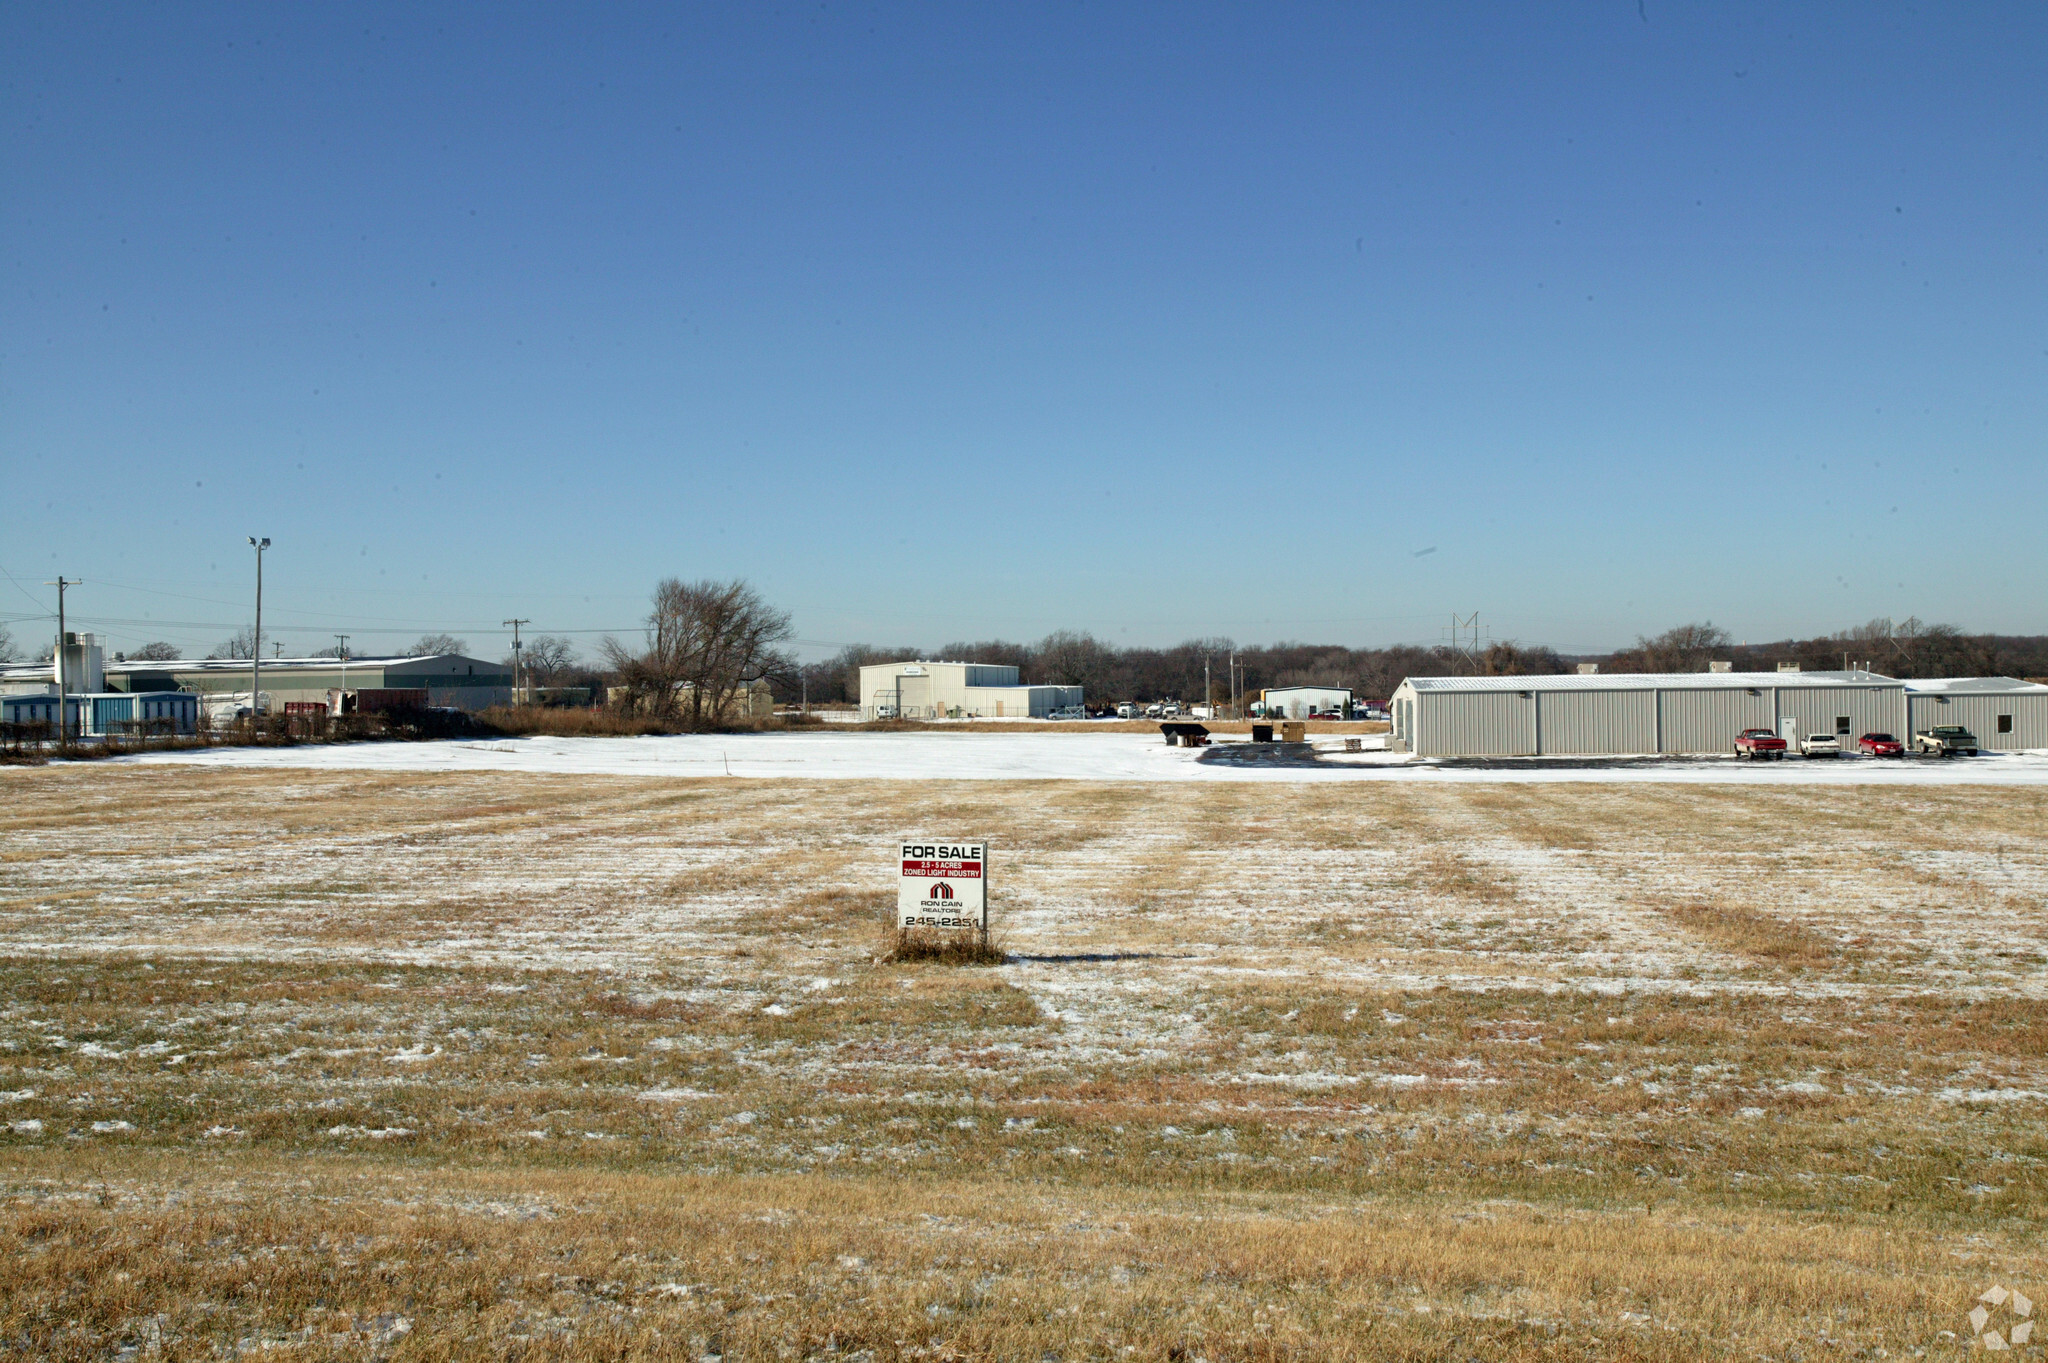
(2005, 714)
(941, 690)
(447, 678)
(1656, 712)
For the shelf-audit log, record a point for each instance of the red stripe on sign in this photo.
(943, 870)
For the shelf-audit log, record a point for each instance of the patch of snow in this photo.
(1053, 756)
(381, 1133)
(413, 1055)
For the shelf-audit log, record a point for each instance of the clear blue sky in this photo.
(944, 321)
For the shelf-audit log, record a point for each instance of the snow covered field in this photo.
(1057, 757)
(1693, 1040)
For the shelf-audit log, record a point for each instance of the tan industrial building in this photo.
(1299, 702)
(954, 690)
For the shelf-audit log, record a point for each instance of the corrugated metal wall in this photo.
(1708, 720)
(1868, 709)
(1475, 724)
(1979, 714)
(1597, 721)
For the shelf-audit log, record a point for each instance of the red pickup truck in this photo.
(1759, 745)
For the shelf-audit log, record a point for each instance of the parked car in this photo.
(1880, 745)
(1127, 711)
(1945, 740)
(1759, 745)
(1820, 745)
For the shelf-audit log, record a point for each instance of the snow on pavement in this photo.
(1051, 757)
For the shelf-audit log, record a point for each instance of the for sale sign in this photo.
(943, 885)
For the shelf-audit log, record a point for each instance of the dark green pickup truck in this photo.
(1945, 740)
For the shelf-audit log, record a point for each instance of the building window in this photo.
(2005, 724)
(1841, 725)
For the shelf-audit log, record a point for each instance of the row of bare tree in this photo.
(1908, 648)
(707, 641)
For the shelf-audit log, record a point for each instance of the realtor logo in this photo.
(940, 890)
(2008, 1328)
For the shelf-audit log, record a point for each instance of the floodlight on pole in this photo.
(256, 643)
(63, 677)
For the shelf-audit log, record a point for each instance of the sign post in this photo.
(943, 885)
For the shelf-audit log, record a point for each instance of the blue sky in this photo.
(943, 322)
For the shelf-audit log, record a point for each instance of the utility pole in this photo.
(515, 656)
(342, 641)
(1208, 696)
(63, 681)
(256, 644)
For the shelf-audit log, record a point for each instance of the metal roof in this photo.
(1648, 681)
(1973, 686)
(32, 671)
(302, 664)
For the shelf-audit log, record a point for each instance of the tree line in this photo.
(704, 641)
(1906, 648)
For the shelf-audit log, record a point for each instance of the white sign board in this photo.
(943, 885)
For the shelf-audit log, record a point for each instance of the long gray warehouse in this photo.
(2004, 713)
(447, 678)
(1697, 712)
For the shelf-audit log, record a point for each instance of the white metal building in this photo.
(2005, 714)
(1297, 702)
(953, 690)
(1622, 713)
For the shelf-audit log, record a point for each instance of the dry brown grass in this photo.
(329, 1258)
(914, 946)
(1759, 936)
(1270, 1072)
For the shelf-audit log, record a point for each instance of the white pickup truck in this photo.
(1945, 740)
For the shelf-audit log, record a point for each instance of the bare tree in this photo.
(1511, 659)
(705, 640)
(1067, 658)
(8, 652)
(428, 645)
(1683, 648)
(546, 657)
(158, 652)
(241, 645)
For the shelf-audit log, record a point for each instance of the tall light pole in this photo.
(342, 708)
(256, 644)
(516, 623)
(63, 680)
